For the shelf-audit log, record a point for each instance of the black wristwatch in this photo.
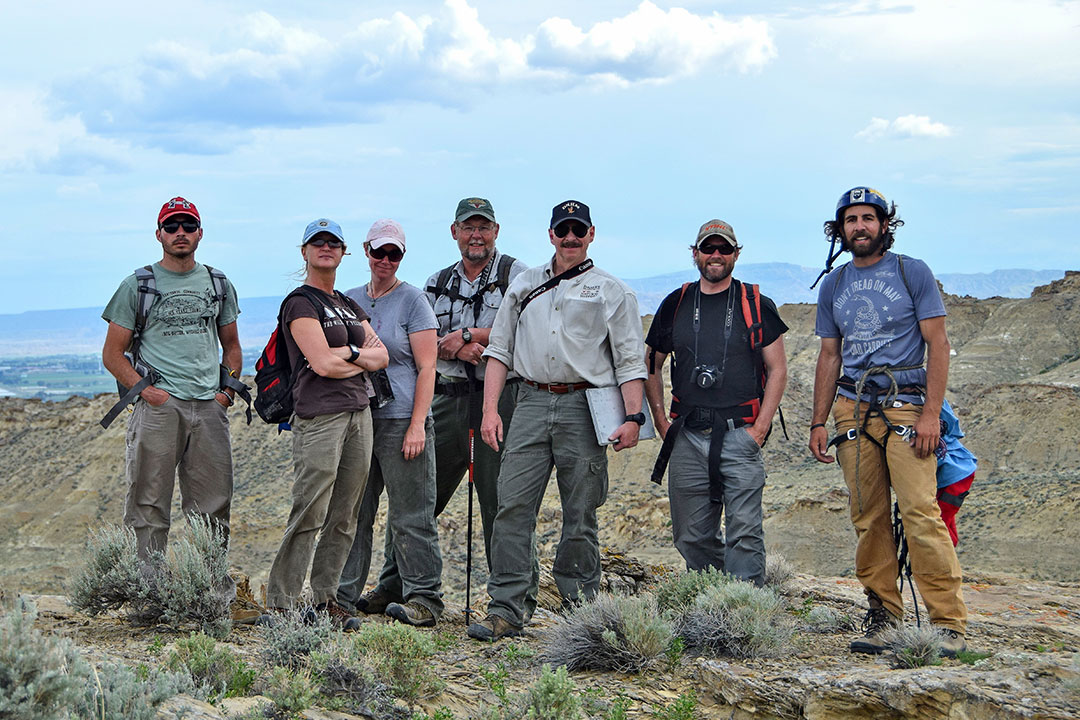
(466, 335)
(638, 418)
(355, 352)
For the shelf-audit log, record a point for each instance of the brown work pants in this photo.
(934, 565)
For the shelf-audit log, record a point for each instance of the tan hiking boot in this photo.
(411, 613)
(492, 628)
(875, 624)
(952, 642)
(375, 602)
(338, 615)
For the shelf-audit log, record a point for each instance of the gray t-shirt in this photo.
(877, 318)
(395, 316)
(180, 340)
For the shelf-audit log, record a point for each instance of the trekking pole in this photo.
(468, 551)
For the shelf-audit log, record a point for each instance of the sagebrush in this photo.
(40, 675)
(610, 632)
(738, 620)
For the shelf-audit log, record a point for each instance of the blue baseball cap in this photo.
(322, 225)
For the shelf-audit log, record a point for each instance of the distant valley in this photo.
(53, 354)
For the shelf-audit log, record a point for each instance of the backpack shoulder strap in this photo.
(442, 283)
(502, 272)
(751, 308)
(903, 276)
(218, 280)
(145, 296)
(666, 318)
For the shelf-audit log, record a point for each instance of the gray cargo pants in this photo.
(695, 521)
(412, 537)
(549, 431)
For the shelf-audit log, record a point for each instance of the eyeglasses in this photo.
(580, 230)
(392, 254)
(171, 226)
(320, 240)
(485, 229)
(722, 248)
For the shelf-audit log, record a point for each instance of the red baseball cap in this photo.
(178, 206)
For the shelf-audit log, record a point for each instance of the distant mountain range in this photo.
(81, 330)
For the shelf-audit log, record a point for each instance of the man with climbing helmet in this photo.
(878, 316)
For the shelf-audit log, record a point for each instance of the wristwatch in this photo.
(638, 418)
(466, 335)
(355, 352)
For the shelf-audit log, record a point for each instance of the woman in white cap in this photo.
(404, 460)
(330, 344)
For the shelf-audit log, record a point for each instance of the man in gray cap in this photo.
(564, 326)
(728, 373)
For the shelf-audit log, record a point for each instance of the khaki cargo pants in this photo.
(934, 566)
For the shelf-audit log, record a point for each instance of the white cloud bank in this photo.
(264, 73)
(905, 126)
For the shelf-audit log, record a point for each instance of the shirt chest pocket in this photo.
(583, 318)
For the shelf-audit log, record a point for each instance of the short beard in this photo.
(876, 247)
(714, 273)
(476, 254)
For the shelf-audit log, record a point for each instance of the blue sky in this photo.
(658, 115)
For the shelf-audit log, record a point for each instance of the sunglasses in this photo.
(393, 254)
(171, 226)
(580, 230)
(722, 248)
(320, 241)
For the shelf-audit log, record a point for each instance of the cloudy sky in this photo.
(659, 116)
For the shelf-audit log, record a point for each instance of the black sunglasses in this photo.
(171, 226)
(392, 253)
(580, 230)
(722, 248)
(320, 241)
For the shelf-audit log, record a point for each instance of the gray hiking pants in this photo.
(695, 520)
(412, 538)
(549, 431)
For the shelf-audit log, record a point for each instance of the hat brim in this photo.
(473, 213)
(382, 241)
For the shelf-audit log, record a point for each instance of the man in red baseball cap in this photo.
(166, 323)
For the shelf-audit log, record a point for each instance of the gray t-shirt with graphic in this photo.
(877, 318)
(180, 340)
(394, 317)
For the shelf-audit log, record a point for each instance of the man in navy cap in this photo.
(564, 326)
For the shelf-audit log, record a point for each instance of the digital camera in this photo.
(705, 376)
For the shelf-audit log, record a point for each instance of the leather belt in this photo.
(559, 388)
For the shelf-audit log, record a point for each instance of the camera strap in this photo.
(728, 321)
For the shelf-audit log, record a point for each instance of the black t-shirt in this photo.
(739, 382)
(342, 324)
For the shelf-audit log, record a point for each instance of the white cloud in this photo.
(905, 126)
(32, 139)
(261, 72)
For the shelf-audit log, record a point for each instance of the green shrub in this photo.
(289, 640)
(214, 667)
(118, 692)
(684, 708)
(40, 675)
(677, 592)
(736, 619)
(553, 697)
(618, 708)
(401, 654)
(609, 633)
(914, 645)
(185, 585)
(349, 682)
(824, 619)
(779, 573)
(111, 576)
(290, 690)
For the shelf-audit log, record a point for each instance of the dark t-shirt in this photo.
(341, 323)
(739, 382)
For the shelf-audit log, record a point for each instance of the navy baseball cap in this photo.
(570, 210)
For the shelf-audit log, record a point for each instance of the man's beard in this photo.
(874, 248)
(476, 253)
(714, 272)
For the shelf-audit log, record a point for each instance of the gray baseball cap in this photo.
(716, 227)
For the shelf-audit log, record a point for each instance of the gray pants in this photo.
(695, 521)
(412, 539)
(549, 431)
(331, 456)
(185, 439)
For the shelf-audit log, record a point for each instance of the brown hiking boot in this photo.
(338, 615)
(375, 602)
(492, 628)
(411, 613)
(271, 616)
(876, 623)
(952, 642)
